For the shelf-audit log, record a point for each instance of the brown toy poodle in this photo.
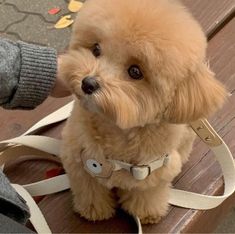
(139, 74)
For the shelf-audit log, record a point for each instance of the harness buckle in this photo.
(140, 172)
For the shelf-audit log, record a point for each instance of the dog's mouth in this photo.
(88, 103)
(87, 100)
(94, 101)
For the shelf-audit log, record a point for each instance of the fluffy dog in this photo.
(138, 72)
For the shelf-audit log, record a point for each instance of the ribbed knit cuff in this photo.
(37, 76)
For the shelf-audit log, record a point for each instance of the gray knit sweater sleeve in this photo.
(11, 203)
(27, 74)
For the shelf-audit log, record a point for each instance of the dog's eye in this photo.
(135, 72)
(96, 50)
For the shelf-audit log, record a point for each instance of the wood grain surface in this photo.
(217, 13)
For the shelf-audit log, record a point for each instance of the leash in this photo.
(48, 148)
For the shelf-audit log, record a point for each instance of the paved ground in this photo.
(29, 21)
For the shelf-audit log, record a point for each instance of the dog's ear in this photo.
(198, 96)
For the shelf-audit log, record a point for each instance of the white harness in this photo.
(45, 147)
(139, 172)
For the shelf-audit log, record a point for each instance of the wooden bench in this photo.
(201, 174)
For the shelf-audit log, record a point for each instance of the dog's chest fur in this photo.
(137, 145)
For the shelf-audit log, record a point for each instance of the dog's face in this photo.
(140, 62)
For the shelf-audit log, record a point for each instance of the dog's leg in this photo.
(91, 200)
(149, 205)
(186, 145)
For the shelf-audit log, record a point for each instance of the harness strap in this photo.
(140, 172)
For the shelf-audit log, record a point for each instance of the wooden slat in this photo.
(205, 218)
(69, 222)
(14, 123)
(58, 209)
(211, 13)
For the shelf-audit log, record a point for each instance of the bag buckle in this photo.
(207, 134)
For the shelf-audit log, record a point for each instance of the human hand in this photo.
(60, 89)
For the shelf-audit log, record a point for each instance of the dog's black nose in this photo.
(89, 85)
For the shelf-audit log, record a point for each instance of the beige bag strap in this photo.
(42, 147)
(36, 217)
(226, 161)
(43, 187)
(178, 197)
(55, 117)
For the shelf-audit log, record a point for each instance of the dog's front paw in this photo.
(147, 213)
(150, 219)
(95, 212)
(146, 216)
(149, 205)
